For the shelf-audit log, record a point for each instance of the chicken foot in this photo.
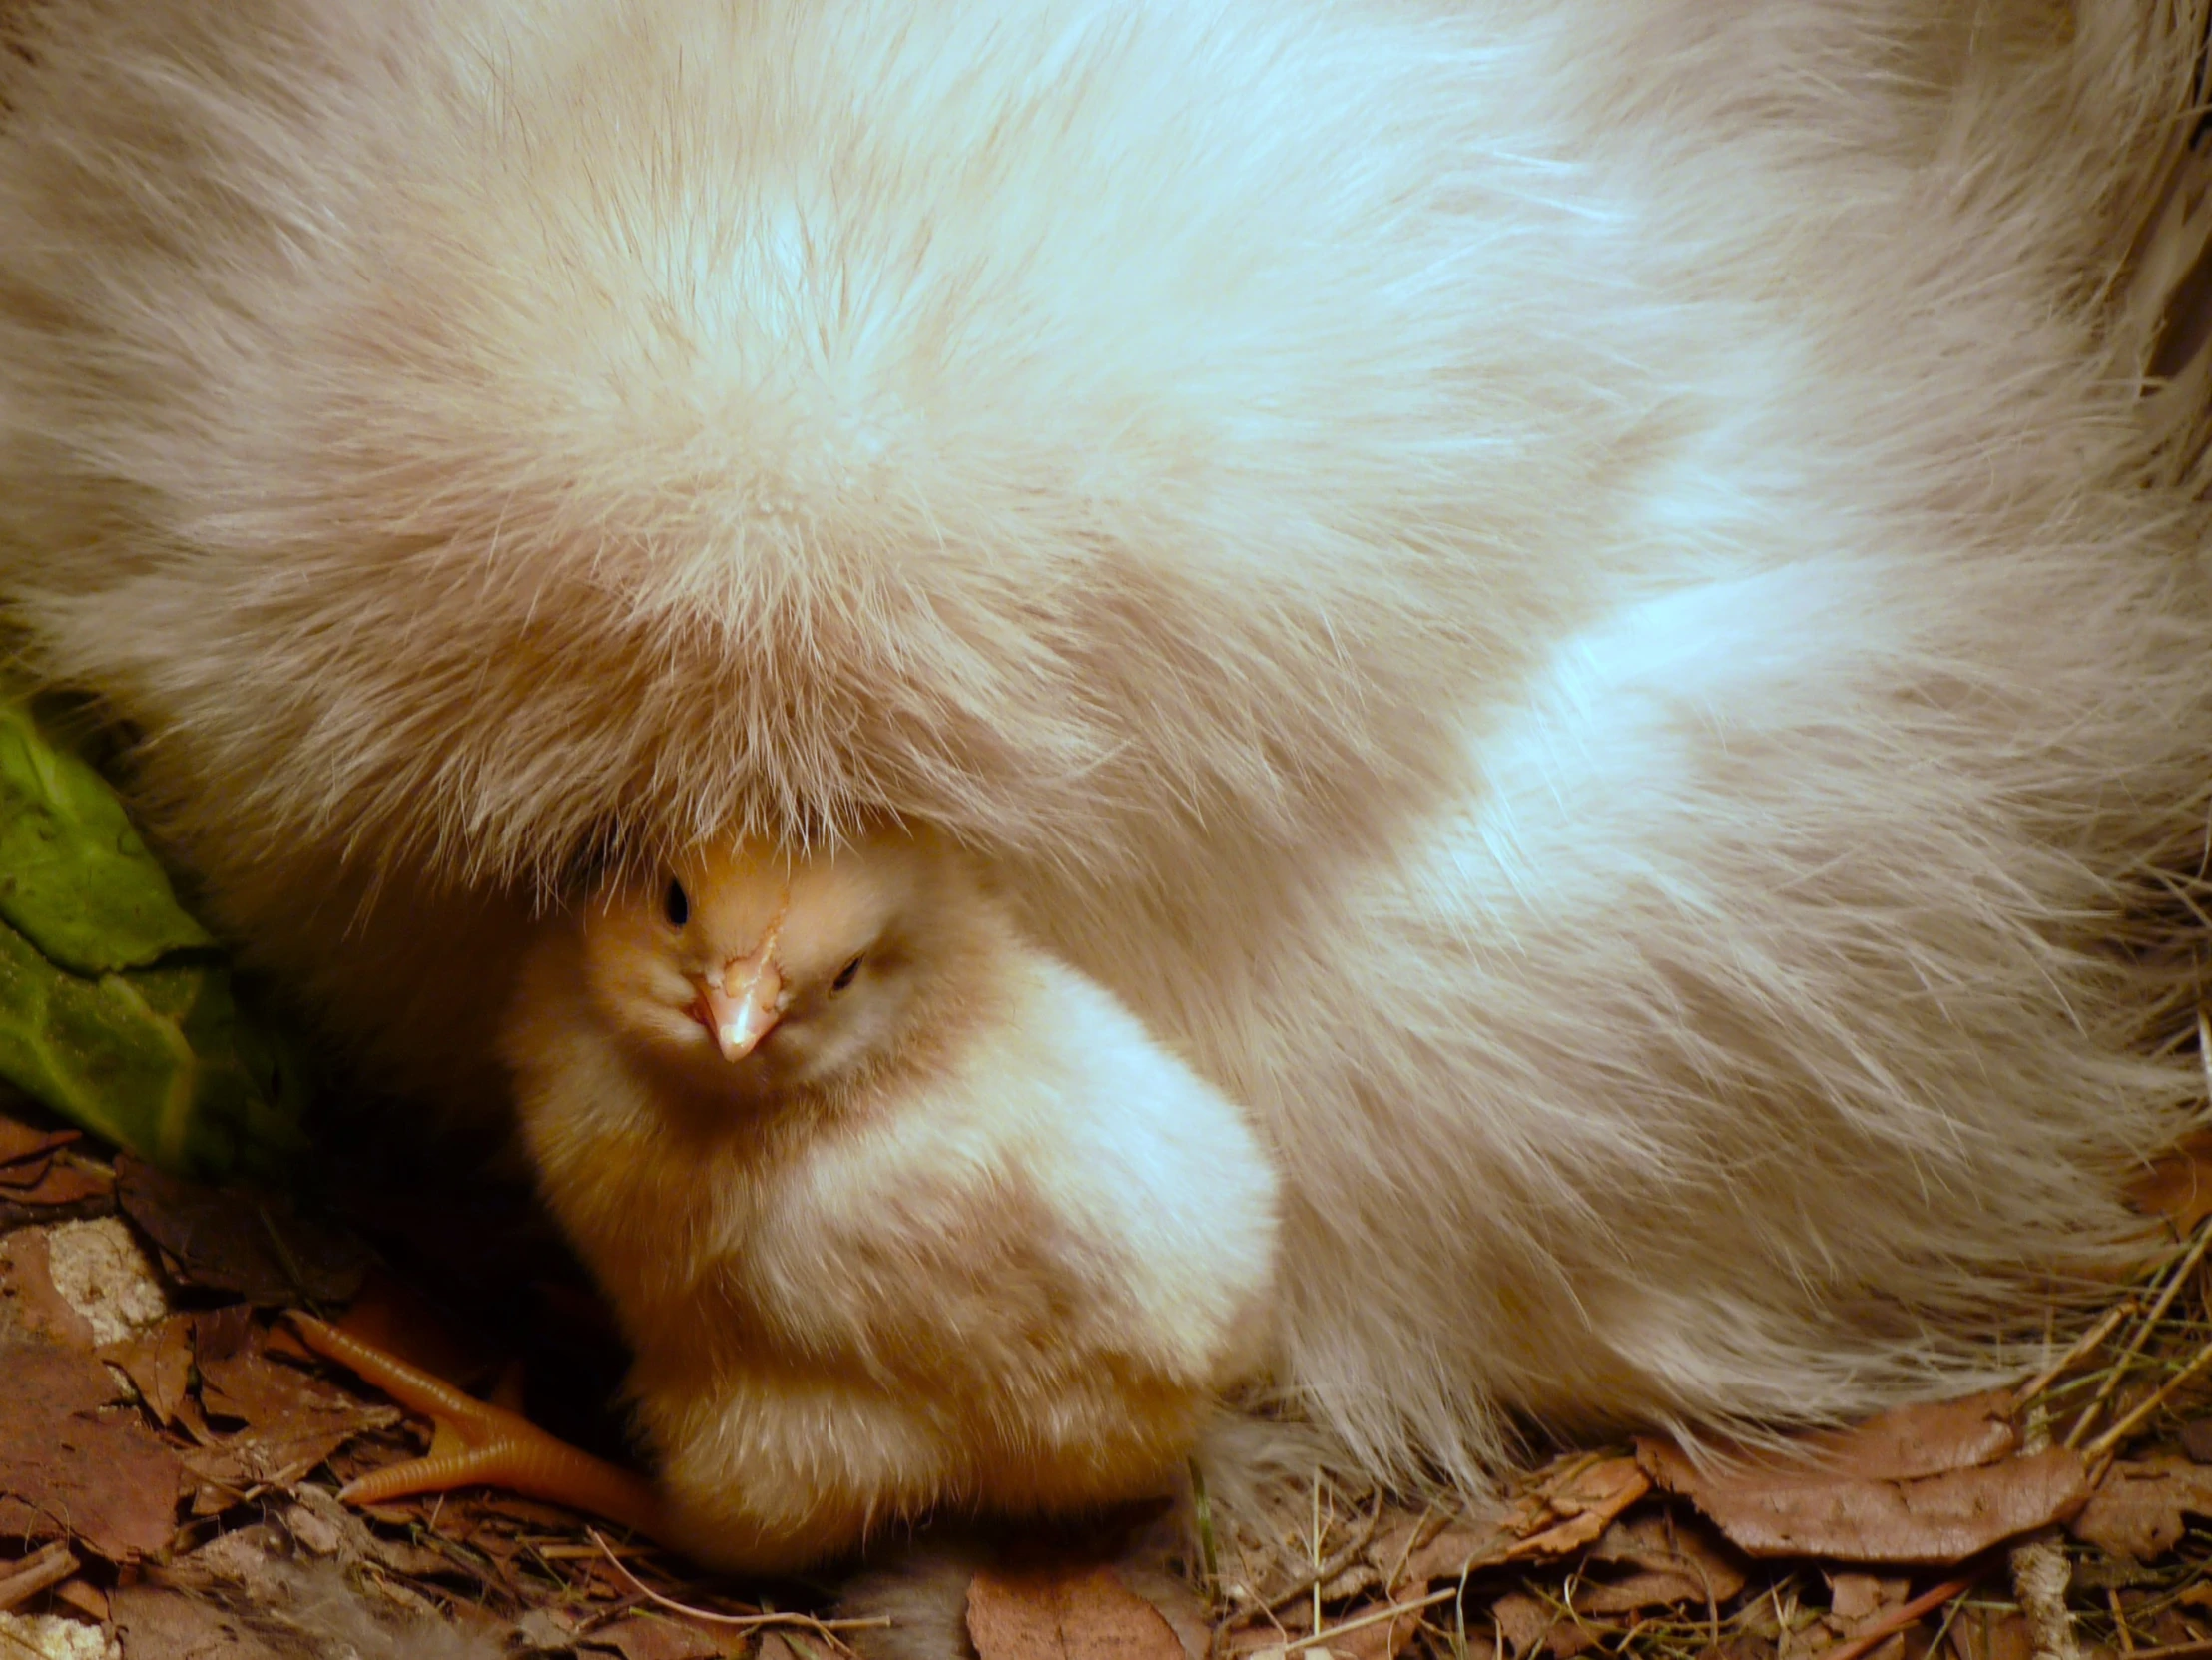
(478, 1443)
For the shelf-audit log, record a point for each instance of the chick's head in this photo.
(749, 969)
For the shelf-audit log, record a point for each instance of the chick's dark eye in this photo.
(677, 906)
(845, 976)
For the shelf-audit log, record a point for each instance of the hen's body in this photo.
(1555, 591)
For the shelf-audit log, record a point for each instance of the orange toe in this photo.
(475, 1443)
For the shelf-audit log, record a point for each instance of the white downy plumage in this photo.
(1560, 595)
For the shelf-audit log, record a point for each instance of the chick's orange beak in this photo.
(741, 1004)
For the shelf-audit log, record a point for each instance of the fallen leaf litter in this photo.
(168, 1460)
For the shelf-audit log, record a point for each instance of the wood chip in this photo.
(21, 1581)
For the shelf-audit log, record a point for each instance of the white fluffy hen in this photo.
(1561, 593)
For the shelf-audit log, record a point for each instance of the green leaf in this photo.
(159, 1060)
(74, 879)
(116, 1010)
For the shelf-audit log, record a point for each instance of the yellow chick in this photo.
(895, 1211)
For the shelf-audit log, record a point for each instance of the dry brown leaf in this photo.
(157, 1624)
(651, 1637)
(159, 1364)
(2178, 1185)
(30, 1304)
(1565, 1509)
(1636, 1592)
(88, 1600)
(1170, 1593)
(2196, 1439)
(1910, 1442)
(26, 1173)
(325, 1527)
(2138, 1508)
(292, 1421)
(70, 1469)
(60, 1182)
(1767, 1511)
(1521, 1620)
(504, 1514)
(248, 1387)
(1459, 1547)
(1527, 1625)
(1991, 1634)
(66, 1188)
(252, 1245)
(20, 1142)
(1675, 1564)
(1855, 1599)
(280, 1456)
(64, 1184)
(1574, 1508)
(1384, 1640)
(1065, 1614)
(239, 1557)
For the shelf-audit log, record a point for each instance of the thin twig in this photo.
(2112, 1438)
(736, 1622)
(1208, 1548)
(1317, 1549)
(1324, 1573)
(1414, 1541)
(37, 1572)
(2084, 1346)
(1375, 1617)
(2172, 1288)
(1897, 1619)
(2204, 1024)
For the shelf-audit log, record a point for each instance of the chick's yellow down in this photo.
(894, 1209)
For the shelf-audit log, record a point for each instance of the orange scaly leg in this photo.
(475, 1443)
